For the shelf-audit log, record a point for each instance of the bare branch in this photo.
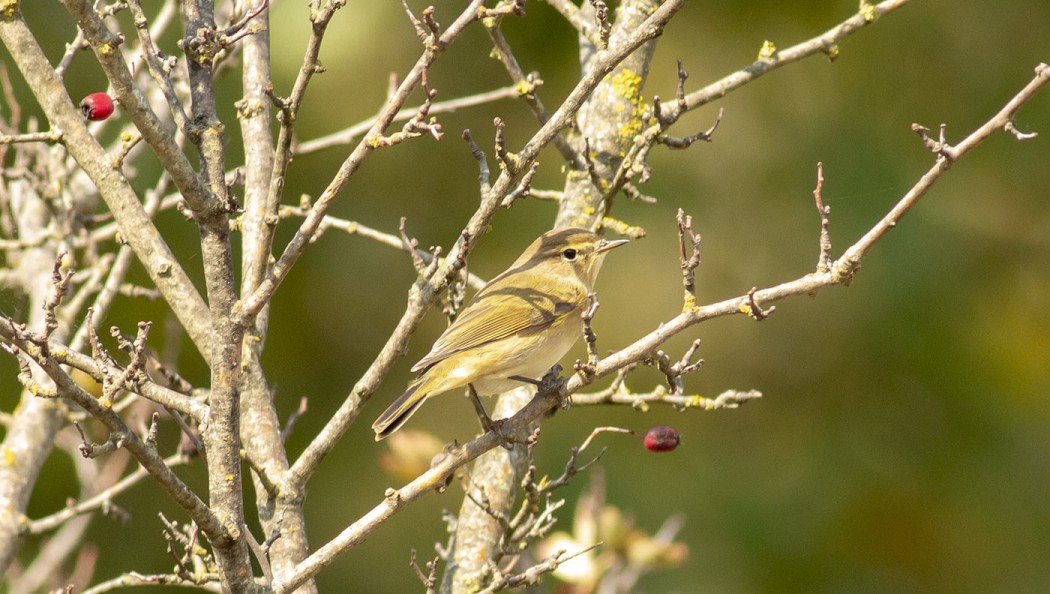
(159, 66)
(532, 574)
(51, 137)
(484, 179)
(410, 245)
(824, 259)
(591, 306)
(507, 160)
(846, 265)
(292, 418)
(524, 187)
(67, 356)
(99, 501)
(356, 131)
(826, 44)
(355, 228)
(526, 85)
(133, 578)
(688, 260)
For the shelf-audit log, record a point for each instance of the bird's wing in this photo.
(500, 311)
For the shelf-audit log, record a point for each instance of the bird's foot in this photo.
(499, 427)
(488, 424)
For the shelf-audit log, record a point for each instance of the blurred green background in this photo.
(903, 442)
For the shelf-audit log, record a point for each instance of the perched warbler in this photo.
(518, 325)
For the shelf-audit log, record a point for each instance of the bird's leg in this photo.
(527, 380)
(549, 385)
(487, 423)
(483, 415)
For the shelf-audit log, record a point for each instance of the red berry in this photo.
(662, 439)
(97, 106)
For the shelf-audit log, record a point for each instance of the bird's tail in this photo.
(397, 413)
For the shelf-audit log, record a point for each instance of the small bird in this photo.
(517, 326)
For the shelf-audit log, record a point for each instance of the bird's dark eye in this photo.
(569, 254)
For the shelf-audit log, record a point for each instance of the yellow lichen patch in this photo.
(525, 87)
(107, 49)
(8, 8)
(248, 109)
(627, 85)
(768, 50)
(9, 458)
(690, 303)
(867, 10)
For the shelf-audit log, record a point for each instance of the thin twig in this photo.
(355, 228)
(98, 501)
(354, 132)
(50, 137)
(824, 259)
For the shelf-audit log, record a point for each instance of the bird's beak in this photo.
(606, 245)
